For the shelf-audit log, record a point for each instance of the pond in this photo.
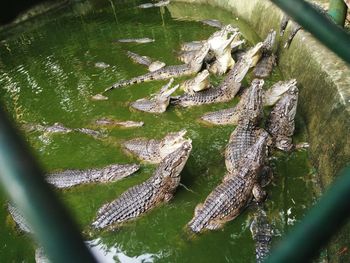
(48, 75)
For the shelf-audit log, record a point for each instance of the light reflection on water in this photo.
(115, 254)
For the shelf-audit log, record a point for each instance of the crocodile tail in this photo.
(195, 225)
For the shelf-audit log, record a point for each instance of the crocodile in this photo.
(230, 116)
(153, 151)
(246, 133)
(17, 216)
(198, 83)
(135, 40)
(168, 71)
(141, 198)
(146, 61)
(111, 122)
(230, 197)
(281, 120)
(101, 65)
(212, 22)
(58, 128)
(262, 234)
(223, 58)
(228, 88)
(187, 56)
(110, 173)
(158, 103)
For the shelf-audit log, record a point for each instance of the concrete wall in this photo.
(324, 100)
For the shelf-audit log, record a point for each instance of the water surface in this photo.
(47, 75)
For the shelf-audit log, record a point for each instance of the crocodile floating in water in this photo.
(21, 222)
(110, 173)
(212, 22)
(146, 61)
(230, 116)
(198, 83)
(229, 198)
(111, 122)
(58, 128)
(265, 66)
(158, 4)
(135, 40)
(158, 103)
(262, 233)
(153, 151)
(228, 88)
(247, 132)
(139, 199)
(167, 72)
(281, 120)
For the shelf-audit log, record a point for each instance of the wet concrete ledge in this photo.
(324, 101)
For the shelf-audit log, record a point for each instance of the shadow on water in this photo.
(48, 74)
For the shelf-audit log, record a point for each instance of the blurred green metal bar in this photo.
(24, 183)
(327, 217)
(331, 35)
(337, 10)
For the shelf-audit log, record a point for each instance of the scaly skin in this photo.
(146, 61)
(139, 199)
(198, 83)
(153, 151)
(110, 173)
(230, 116)
(168, 71)
(228, 199)
(19, 219)
(262, 234)
(281, 120)
(158, 103)
(265, 66)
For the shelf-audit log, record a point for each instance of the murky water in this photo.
(47, 75)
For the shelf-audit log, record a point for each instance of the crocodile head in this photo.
(269, 41)
(251, 109)
(198, 83)
(198, 59)
(174, 162)
(254, 54)
(281, 123)
(171, 142)
(272, 95)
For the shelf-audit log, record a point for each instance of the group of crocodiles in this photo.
(246, 153)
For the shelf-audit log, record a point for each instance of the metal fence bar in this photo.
(329, 214)
(337, 10)
(25, 185)
(331, 35)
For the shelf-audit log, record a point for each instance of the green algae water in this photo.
(48, 75)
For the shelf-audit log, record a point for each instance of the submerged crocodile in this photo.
(262, 233)
(198, 83)
(21, 222)
(229, 198)
(281, 120)
(153, 151)
(135, 40)
(230, 116)
(146, 61)
(110, 173)
(212, 22)
(159, 102)
(228, 88)
(111, 122)
(167, 72)
(58, 128)
(265, 66)
(139, 199)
